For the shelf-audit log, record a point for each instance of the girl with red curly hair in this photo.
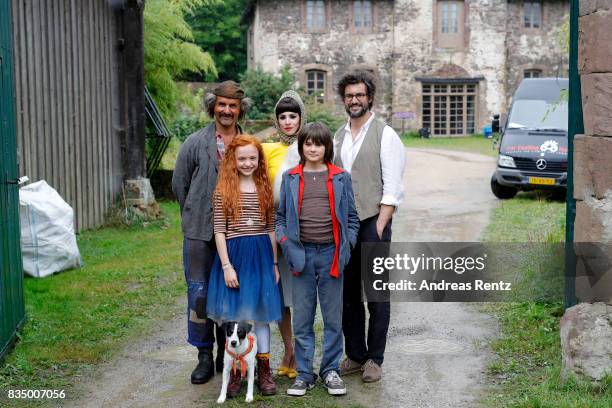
(244, 279)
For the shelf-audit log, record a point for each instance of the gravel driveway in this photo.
(436, 352)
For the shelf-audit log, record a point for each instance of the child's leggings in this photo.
(262, 331)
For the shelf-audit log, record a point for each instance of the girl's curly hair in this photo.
(228, 183)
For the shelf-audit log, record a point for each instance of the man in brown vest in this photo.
(374, 155)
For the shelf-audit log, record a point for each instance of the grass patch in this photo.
(533, 216)
(474, 143)
(527, 370)
(132, 275)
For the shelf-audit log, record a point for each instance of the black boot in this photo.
(220, 348)
(205, 368)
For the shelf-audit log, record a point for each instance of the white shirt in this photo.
(392, 159)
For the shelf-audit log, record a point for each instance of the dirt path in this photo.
(436, 353)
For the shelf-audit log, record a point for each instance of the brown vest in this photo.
(366, 172)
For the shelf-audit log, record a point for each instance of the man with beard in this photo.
(374, 155)
(193, 183)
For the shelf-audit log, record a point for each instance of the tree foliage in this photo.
(324, 113)
(265, 89)
(170, 51)
(563, 35)
(216, 28)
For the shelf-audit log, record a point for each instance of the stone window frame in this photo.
(325, 28)
(532, 30)
(374, 18)
(463, 41)
(328, 90)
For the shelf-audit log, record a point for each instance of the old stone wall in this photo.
(416, 53)
(403, 46)
(281, 38)
(532, 48)
(593, 150)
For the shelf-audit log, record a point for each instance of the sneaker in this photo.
(299, 388)
(334, 384)
(372, 372)
(348, 366)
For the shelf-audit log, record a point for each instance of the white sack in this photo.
(48, 243)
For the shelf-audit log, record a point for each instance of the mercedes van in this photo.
(533, 143)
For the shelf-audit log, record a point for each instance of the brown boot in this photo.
(265, 382)
(235, 384)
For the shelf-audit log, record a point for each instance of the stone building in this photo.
(443, 64)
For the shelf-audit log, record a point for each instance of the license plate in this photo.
(547, 181)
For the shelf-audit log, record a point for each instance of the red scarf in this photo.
(240, 357)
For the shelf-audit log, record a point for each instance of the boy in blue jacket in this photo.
(317, 227)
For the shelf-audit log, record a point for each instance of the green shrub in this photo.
(413, 134)
(185, 125)
(324, 113)
(265, 89)
(192, 115)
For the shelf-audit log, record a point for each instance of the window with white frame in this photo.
(315, 15)
(315, 84)
(449, 109)
(362, 14)
(532, 13)
(450, 26)
(449, 17)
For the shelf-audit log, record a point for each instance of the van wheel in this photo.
(502, 192)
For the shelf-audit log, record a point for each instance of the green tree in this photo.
(265, 89)
(216, 28)
(170, 51)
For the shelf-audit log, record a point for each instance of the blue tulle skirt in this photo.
(258, 297)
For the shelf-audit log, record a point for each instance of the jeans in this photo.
(353, 318)
(198, 257)
(316, 278)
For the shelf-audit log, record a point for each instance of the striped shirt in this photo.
(315, 214)
(249, 222)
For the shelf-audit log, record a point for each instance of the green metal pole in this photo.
(12, 310)
(576, 127)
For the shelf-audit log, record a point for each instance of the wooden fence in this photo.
(66, 91)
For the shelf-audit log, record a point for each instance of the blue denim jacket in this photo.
(345, 221)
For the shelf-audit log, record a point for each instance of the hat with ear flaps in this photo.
(285, 138)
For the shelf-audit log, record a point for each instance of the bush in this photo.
(192, 115)
(324, 113)
(265, 89)
(413, 134)
(185, 125)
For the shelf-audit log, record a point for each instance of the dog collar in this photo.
(240, 357)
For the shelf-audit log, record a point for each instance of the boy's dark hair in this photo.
(287, 105)
(357, 77)
(319, 134)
